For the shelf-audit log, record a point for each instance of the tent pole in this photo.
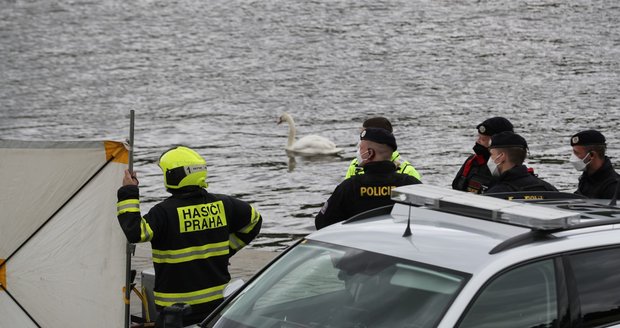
(128, 246)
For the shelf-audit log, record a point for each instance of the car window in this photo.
(324, 285)
(521, 297)
(597, 274)
(317, 272)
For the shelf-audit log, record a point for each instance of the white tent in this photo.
(61, 247)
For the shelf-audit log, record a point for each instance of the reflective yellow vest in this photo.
(403, 167)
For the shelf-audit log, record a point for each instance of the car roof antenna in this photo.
(408, 230)
(613, 200)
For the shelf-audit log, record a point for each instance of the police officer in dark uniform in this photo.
(508, 151)
(193, 233)
(403, 165)
(599, 179)
(371, 189)
(474, 175)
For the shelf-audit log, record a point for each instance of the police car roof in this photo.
(442, 239)
(459, 241)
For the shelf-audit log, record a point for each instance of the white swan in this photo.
(308, 145)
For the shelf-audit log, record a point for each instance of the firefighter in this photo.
(193, 233)
(474, 175)
(403, 165)
(599, 179)
(370, 190)
(507, 153)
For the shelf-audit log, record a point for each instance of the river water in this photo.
(215, 75)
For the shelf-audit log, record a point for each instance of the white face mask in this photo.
(493, 167)
(360, 160)
(578, 163)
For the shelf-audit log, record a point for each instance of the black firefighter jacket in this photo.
(192, 233)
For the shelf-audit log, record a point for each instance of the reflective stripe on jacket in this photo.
(192, 233)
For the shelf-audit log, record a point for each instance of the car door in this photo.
(577, 289)
(596, 289)
(523, 296)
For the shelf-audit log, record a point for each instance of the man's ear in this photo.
(593, 154)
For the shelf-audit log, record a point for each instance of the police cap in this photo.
(494, 125)
(381, 136)
(378, 122)
(587, 138)
(508, 139)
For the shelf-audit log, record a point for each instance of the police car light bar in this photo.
(484, 207)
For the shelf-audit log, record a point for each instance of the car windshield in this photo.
(323, 285)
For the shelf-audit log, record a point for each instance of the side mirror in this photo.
(232, 287)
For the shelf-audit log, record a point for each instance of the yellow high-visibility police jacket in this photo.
(403, 167)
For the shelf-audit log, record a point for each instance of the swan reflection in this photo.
(291, 163)
(305, 158)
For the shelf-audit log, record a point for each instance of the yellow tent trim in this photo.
(2, 275)
(116, 151)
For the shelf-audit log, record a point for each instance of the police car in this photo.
(444, 258)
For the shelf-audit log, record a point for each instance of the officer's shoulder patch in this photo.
(324, 208)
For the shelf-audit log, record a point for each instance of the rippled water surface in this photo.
(215, 75)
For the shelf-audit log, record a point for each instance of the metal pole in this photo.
(131, 124)
(128, 246)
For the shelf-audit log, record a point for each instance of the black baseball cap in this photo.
(494, 125)
(587, 138)
(378, 135)
(508, 139)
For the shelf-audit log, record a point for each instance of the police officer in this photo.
(474, 175)
(193, 233)
(508, 151)
(599, 179)
(403, 165)
(369, 190)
